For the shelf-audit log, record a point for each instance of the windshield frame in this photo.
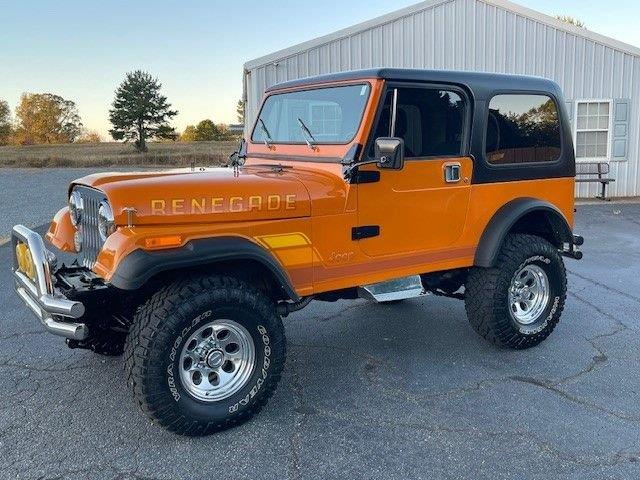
(360, 83)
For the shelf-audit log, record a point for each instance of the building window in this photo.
(522, 128)
(593, 120)
(326, 119)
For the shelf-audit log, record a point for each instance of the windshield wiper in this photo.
(306, 131)
(267, 140)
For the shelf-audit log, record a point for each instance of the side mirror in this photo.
(389, 152)
(238, 157)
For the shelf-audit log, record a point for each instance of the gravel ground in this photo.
(369, 391)
(32, 196)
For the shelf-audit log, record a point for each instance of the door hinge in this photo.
(367, 231)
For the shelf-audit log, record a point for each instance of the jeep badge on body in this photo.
(380, 184)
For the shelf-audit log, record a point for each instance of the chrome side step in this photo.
(397, 289)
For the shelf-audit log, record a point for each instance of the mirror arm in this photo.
(238, 157)
(353, 167)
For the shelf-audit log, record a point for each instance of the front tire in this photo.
(518, 303)
(205, 354)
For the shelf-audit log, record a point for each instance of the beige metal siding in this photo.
(492, 36)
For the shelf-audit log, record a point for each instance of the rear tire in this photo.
(204, 354)
(518, 303)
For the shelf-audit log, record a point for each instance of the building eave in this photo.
(567, 27)
(343, 33)
(404, 12)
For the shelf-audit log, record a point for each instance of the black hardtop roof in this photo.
(480, 83)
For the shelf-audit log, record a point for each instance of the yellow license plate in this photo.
(25, 261)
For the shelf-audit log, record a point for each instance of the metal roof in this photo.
(390, 17)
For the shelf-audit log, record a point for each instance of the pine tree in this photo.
(140, 112)
(240, 111)
(5, 122)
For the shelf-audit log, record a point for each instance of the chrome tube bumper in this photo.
(39, 294)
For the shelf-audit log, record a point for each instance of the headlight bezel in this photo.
(106, 220)
(76, 207)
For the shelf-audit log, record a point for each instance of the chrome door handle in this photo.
(452, 172)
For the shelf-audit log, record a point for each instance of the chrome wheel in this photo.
(217, 360)
(528, 294)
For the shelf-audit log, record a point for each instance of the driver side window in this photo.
(430, 121)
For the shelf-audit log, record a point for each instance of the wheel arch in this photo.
(522, 215)
(231, 255)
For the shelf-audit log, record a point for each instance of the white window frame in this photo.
(609, 129)
(337, 120)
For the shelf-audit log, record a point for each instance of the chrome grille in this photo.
(91, 241)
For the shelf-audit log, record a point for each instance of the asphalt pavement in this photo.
(369, 391)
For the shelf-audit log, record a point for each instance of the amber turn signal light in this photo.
(163, 242)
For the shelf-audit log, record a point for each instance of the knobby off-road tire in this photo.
(518, 303)
(173, 337)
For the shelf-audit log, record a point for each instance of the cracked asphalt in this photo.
(369, 391)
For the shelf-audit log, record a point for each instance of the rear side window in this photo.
(522, 129)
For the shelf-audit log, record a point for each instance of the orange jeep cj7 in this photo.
(384, 184)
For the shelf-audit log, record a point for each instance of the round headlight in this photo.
(106, 221)
(76, 207)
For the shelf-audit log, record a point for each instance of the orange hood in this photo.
(204, 195)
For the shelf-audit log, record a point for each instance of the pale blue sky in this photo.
(82, 49)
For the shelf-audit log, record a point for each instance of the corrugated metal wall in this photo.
(474, 35)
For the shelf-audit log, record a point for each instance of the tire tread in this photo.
(149, 327)
(485, 288)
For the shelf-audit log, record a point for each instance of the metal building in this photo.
(600, 76)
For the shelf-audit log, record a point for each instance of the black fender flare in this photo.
(506, 217)
(141, 265)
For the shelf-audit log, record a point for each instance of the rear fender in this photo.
(509, 219)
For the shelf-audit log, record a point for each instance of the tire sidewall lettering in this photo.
(263, 374)
(261, 337)
(173, 354)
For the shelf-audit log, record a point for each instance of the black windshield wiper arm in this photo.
(306, 131)
(267, 140)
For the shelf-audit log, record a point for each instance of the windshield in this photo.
(322, 115)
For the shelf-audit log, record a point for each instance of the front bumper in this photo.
(53, 309)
